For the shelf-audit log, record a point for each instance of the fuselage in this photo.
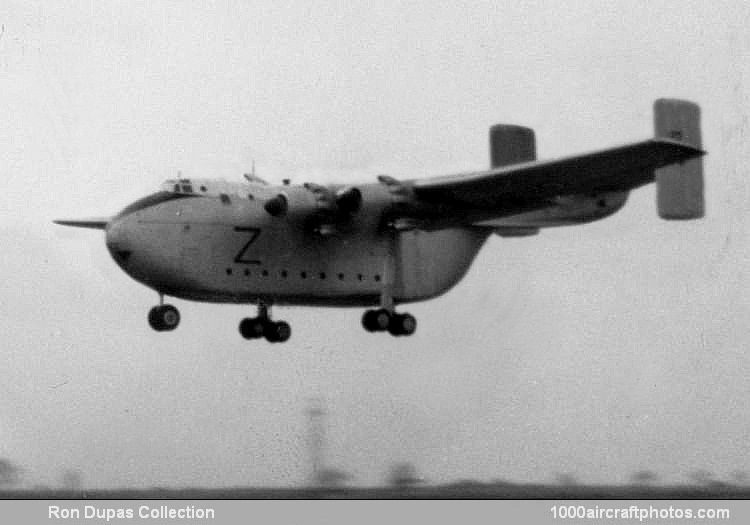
(218, 243)
(384, 243)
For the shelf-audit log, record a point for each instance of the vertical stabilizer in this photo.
(511, 144)
(679, 187)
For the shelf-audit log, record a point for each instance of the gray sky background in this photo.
(596, 350)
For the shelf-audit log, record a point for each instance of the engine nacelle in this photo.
(277, 206)
(296, 202)
(320, 207)
(348, 200)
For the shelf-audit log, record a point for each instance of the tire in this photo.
(382, 319)
(170, 317)
(154, 319)
(277, 332)
(402, 324)
(164, 318)
(368, 321)
(407, 324)
(252, 328)
(283, 331)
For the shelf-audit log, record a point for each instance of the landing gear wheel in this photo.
(277, 332)
(376, 320)
(153, 318)
(262, 326)
(252, 327)
(402, 324)
(367, 323)
(164, 317)
(382, 319)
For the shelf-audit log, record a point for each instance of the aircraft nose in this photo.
(118, 244)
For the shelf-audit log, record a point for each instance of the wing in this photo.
(534, 185)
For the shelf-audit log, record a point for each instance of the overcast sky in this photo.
(595, 350)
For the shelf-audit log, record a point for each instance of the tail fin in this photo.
(511, 144)
(679, 187)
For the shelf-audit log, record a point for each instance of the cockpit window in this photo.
(187, 188)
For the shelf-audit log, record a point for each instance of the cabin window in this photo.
(283, 274)
(203, 188)
(322, 275)
(265, 273)
(224, 198)
(177, 188)
(229, 271)
(360, 276)
(303, 275)
(247, 272)
(377, 278)
(341, 277)
(250, 196)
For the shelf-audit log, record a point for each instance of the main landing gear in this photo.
(262, 326)
(383, 319)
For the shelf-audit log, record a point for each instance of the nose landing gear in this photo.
(263, 326)
(164, 318)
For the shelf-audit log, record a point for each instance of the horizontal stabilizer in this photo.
(98, 223)
(679, 187)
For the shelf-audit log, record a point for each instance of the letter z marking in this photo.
(241, 256)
